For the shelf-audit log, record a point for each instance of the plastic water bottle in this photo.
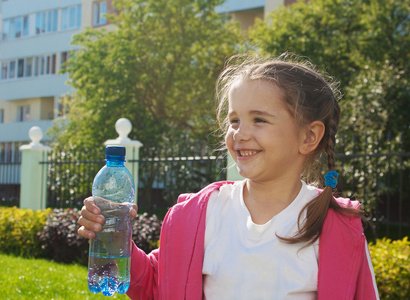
(110, 251)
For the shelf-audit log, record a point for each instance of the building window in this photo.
(42, 65)
(23, 113)
(64, 19)
(70, 17)
(99, 11)
(51, 60)
(25, 26)
(47, 21)
(5, 30)
(79, 15)
(29, 67)
(9, 69)
(42, 22)
(51, 64)
(17, 32)
(12, 69)
(20, 68)
(45, 65)
(64, 57)
(52, 20)
(12, 31)
(36, 65)
(4, 70)
(1, 115)
(15, 28)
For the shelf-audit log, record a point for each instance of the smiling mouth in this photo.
(246, 153)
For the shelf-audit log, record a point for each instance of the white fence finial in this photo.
(36, 134)
(123, 127)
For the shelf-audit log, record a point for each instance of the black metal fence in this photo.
(375, 170)
(70, 175)
(10, 165)
(164, 173)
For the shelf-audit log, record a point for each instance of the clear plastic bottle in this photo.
(110, 251)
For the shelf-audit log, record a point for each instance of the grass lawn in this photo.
(23, 278)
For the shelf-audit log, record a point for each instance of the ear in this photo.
(311, 137)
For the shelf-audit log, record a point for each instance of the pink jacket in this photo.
(174, 271)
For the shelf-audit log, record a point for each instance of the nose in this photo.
(240, 134)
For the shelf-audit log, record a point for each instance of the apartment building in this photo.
(247, 11)
(35, 42)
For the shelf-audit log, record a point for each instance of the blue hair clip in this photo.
(331, 179)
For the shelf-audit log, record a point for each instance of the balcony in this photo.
(18, 131)
(230, 6)
(34, 87)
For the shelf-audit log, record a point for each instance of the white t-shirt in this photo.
(244, 260)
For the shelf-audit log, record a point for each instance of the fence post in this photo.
(123, 127)
(33, 178)
(232, 170)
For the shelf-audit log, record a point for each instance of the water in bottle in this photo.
(110, 251)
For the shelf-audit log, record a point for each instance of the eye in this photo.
(233, 121)
(259, 120)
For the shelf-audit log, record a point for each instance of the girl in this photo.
(270, 236)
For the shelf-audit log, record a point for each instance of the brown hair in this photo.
(309, 96)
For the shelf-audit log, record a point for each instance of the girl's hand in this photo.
(91, 219)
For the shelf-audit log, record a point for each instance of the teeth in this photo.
(247, 153)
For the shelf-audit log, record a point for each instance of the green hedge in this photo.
(52, 234)
(28, 233)
(391, 263)
(19, 229)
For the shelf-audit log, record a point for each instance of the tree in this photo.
(364, 45)
(350, 40)
(158, 68)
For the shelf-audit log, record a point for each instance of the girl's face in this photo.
(262, 137)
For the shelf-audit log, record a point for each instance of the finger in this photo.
(91, 216)
(134, 210)
(89, 234)
(90, 224)
(89, 203)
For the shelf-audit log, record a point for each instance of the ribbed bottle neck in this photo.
(115, 161)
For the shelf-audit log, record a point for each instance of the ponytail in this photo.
(316, 210)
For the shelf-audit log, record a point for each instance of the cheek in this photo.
(229, 142)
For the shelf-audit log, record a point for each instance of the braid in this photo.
(331, 141)
(316, 210)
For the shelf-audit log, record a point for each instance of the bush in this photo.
(18, 231)
(61, 242)
(391, 262)
(146, 231)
